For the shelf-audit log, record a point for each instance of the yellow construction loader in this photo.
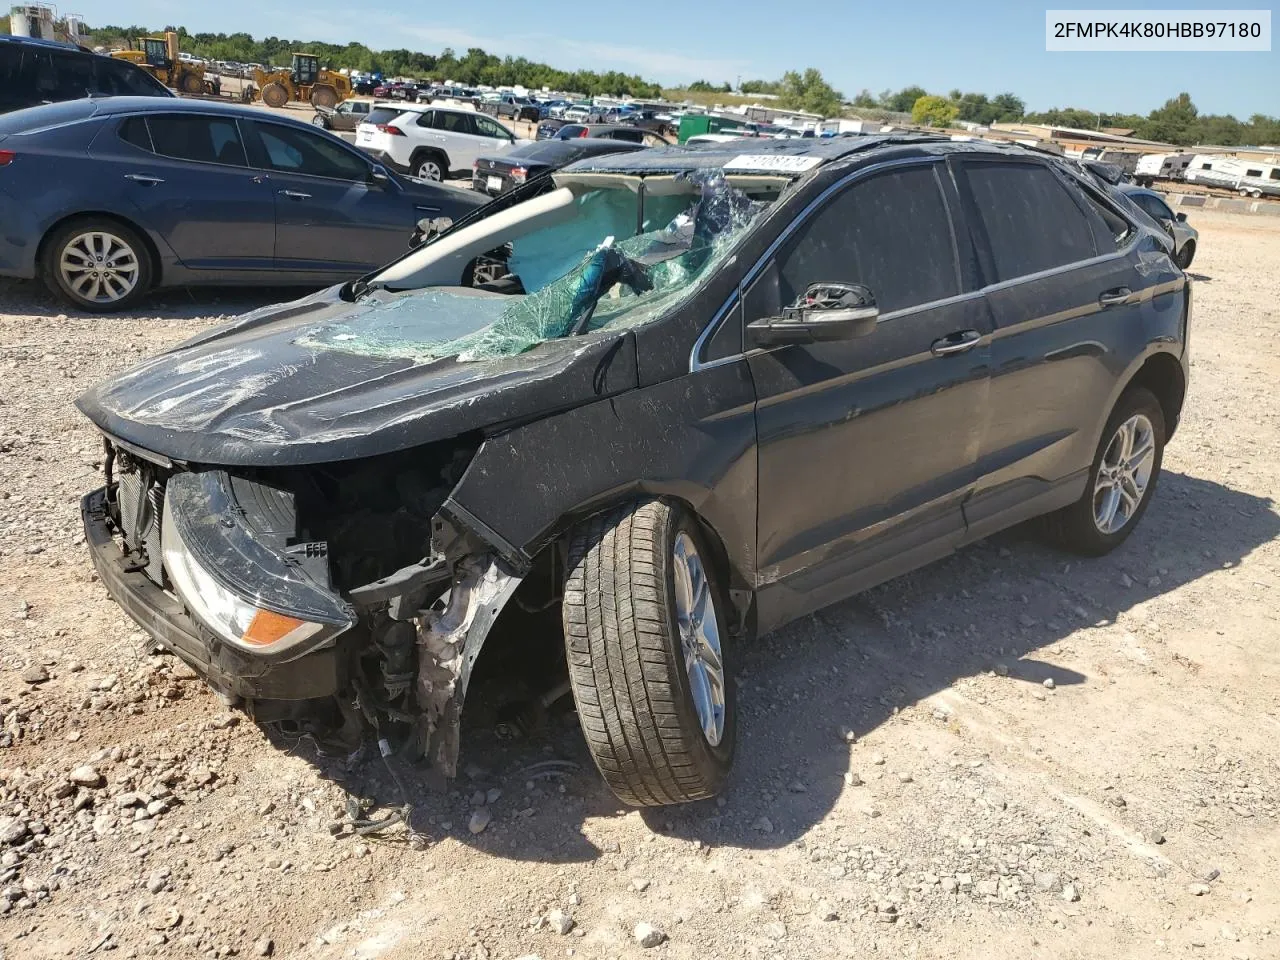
(159, 57)
(304, 82)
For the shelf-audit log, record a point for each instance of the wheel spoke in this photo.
(1106, 514)
(81, 283)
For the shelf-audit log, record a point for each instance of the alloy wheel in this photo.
(699, 637)
(99, 267)
(429, 170)
(1124, 474)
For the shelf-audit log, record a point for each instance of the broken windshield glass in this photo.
(594, 270)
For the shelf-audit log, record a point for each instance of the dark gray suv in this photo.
(638, 412)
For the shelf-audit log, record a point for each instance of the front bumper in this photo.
(163, 617)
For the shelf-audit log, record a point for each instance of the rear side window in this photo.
(119, 79)
(193, 137)
(454, 122)
(73, 77)
(890, 232)
(629, 136)
(134, 131)
(1027, 219)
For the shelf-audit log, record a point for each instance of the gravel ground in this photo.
(1009, 754)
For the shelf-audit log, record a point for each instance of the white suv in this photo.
(430, 141)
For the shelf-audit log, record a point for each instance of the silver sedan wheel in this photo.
(1124, 474)
(99, 267)
(699, 637)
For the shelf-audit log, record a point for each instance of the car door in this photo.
(1063, 293)
(867, 446)
(189, 179)
(332, 215)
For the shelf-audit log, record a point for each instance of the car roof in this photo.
(41, 42)
(114, 106)
(1133, 189)
(795, 157)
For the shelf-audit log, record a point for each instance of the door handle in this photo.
(144, 178)
(957, 342)
(295, 194)
(1115, 297)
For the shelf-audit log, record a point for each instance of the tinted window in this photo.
(1253, 173)
(630, 136)
(193, 137)
(1026, 218)
(73, 78)
(119, 79)
(491, 128)
(1153, 206)
(454, 122)
(380, 115)
(17, 77)
(300, 151)
(890, 232)
(134, 130)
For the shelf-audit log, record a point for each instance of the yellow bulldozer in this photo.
(159, 57)
(304, 82)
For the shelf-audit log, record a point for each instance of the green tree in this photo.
(1008, 108)
(809, 92)
(903, 100)
(930, 111)
(760, 86)
(865, 99)
(1175, 122)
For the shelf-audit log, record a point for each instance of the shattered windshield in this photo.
(616, 258)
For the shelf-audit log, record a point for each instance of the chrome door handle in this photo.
(1115, 297)
(143, 178)
(295, 194)
(957, 342)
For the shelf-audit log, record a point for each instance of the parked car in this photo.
(1185, 237)
(667, 418)
(346, 116)
(33, 72)
(107, 198)
(608, 131)
(583, 113)
(503, 173)
(432, 142)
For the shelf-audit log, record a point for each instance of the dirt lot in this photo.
(1010, 754)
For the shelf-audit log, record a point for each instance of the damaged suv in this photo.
(671, 398)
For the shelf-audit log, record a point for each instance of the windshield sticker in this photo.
(772, 162)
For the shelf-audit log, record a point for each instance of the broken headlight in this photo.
(245, 593)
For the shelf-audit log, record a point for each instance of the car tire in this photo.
(192, 84)
(1116, 497)
(319, 120)
(97, 265)
(1186, 255)
(429, 165)
(634, 668)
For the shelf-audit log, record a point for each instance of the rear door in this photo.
(1067, 300)
(331, 215)
(188, 177)
(867, 446)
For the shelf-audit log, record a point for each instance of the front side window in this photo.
(1153, 206)
(1025, 218)
(890, 232)
(187, 136)
(300, 151)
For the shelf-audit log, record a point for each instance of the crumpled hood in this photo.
(252, 394)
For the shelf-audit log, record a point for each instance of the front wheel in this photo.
(319, 121)
(97, 265)
(1122, 478)
(1186, 255)
(645, 630)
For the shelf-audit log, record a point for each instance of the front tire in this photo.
(1122, 479)
(324, 96)
(1186, 255)
(97, 265)
(645, 630)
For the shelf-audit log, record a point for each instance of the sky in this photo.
(984, 46)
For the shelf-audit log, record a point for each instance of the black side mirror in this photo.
(1180, 216)
(826, 311)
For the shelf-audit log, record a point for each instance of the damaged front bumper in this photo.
(163, 616)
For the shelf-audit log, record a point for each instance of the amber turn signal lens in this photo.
(268, 627)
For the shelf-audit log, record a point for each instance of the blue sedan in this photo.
(108, 198)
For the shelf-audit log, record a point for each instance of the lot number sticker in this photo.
(781, 163)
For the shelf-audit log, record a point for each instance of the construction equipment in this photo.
(159, 57)
(304, 82)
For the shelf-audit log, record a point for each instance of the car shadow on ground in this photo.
(851, 666)
(31, 298)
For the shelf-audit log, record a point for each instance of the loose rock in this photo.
(647, 935)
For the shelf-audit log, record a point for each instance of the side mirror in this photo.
(1180, 216)
(429, 228)
(379, 175)
(826, 312)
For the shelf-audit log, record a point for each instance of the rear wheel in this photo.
(97, 265)
(274, 94)
(1122, 479)
(645, 635)
(429, 165)
(324, 96)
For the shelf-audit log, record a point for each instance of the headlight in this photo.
(233, 618)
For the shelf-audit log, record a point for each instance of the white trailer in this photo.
(1160, 166)
(1249, 178)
